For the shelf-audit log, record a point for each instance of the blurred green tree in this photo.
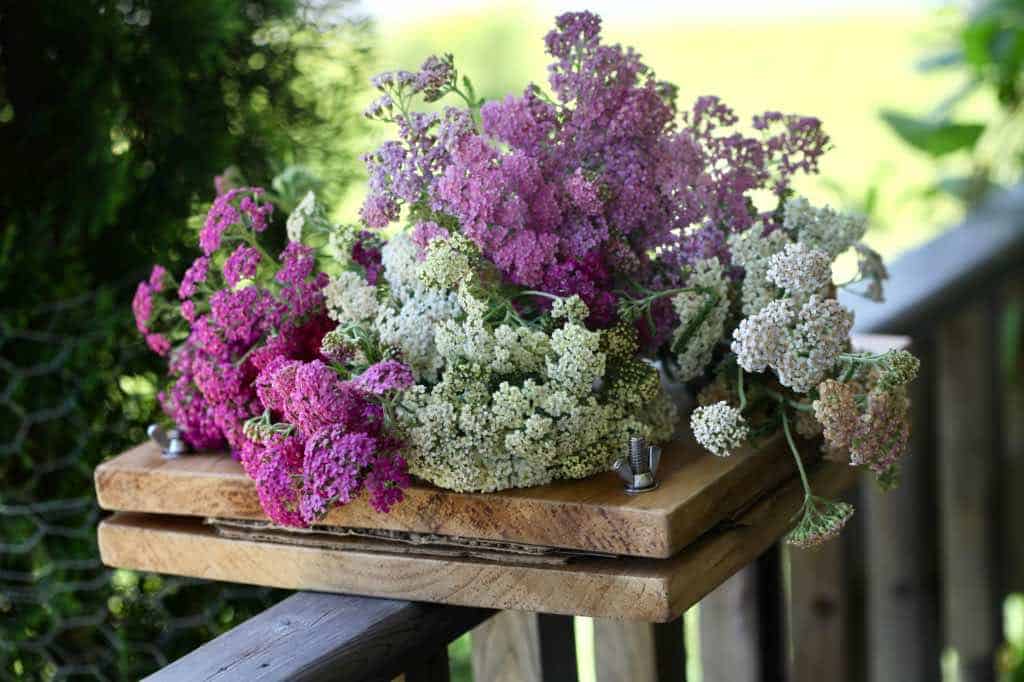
(114, 117)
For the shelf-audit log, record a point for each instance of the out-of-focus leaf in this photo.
(941, 60)
(943, 108)
(936, 138)
(967, 188)
(976, 39)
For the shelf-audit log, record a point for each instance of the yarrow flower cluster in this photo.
(557, 254)
(244, 332)
(719, 428)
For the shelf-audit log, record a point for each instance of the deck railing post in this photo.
(741, 625)
(517, 646)
(902, 617)
(639, 652)
(817, 613)
(1012, 476)
(969, 443)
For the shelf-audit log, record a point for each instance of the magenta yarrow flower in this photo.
(195, 274)
(237, 208)
(385, 377)
(241, 264)
(142, 306)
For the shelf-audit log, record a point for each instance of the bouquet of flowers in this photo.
(526, 277)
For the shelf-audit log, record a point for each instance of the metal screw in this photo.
(637, 469)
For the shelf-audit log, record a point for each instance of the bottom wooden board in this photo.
(629, 588)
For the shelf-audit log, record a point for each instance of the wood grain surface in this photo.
(311, 636)
(631, 588)
(697, 491)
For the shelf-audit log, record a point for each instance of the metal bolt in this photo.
(170, 441)
(637, 469)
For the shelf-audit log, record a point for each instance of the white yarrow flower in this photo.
(822, 228)
(801, 270)
(719, 428)
(298, 217)
(350, 299)
(752, 251)
(801, 344)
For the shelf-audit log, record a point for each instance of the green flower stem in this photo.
(742, 391)
(802, 407)
(796, 454)
(651, 298)
(544, 294)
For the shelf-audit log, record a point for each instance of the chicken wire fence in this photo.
(77, 385)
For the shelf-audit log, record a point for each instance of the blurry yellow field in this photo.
(841, 69)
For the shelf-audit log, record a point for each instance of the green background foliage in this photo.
(114, 119)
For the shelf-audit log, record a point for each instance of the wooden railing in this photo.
(922, 570)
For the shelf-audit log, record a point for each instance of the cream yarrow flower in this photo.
(801, 271)
(571, 309)
(399, 257)
(304, 211)
(719, 428)
(702, 315)
(449, 262)
(350, 298)
(801, 344)
(822, 228)
(752, 250)
(578, 363)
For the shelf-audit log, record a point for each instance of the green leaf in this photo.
(977, 38)
(935, 138)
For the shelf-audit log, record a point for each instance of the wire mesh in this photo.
(76, 386)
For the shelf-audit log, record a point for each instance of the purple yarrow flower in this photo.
(275, 383)
(224, 215)
(385, 481)
(280, 463)
(188, 311)
(384, 377)
(195, 274)
(320, 398)
(241, 264)
(297, 263)
(158, 343)
(157, 278)
(142, 306)
(366, 252)
(425, 232)
(335, 460)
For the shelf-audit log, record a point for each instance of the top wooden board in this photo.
(593, 515)
(697, 491)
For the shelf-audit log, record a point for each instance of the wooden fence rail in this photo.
(922, 570)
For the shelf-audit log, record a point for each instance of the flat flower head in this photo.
(801, 271)
(836, 409)
(387, 376)
(448, 262)
(572, 309)
(883, 431)
(820, 521)
(241, 264)
(719, 428)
